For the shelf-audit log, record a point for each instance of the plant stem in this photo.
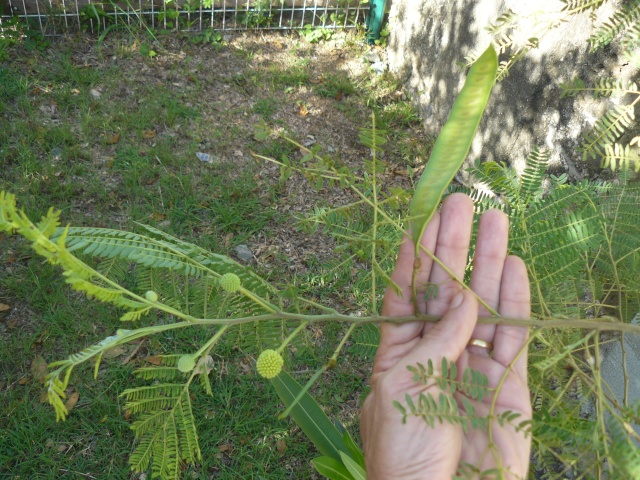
(600, 325)
(293, 334)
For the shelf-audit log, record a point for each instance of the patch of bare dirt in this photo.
(319, 94)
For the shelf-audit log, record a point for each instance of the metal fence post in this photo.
(374, 19)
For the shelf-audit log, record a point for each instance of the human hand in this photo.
(415, 450)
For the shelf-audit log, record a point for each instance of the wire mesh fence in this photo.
(55, 17)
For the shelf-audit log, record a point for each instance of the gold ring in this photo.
(476, 342)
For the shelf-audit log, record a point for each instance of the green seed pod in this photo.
(230, 282)
(269, 364)
(186, 363)
(453, 143)
(151, 296)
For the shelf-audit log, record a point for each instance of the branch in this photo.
(601, 324)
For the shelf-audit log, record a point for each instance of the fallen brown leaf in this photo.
(4, 307)
(115, 352)
(149, 134)
(155, 360)
(39, 369)
(205, 365)
(133, 352)
(245, 366)
(113, 139)
(281, 446)
(152, 180)
(227, 239)
(72, 400)
(43, 336)
(400, 172)
(302, 110)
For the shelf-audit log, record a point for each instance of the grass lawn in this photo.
(113, 136)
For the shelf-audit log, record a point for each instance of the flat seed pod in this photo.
(453, 143)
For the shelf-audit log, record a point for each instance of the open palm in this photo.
(415, 450)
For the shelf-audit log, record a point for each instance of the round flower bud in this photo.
(269, 363)
(151, 296)
(186, 363)
(230, 282)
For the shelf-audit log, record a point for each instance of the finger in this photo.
(452, 249)
(488, 263)
(400, 303)
(448, 337)
(515, 302)
(397, 340)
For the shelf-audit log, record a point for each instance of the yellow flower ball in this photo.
(229, 282)
(269, 363)
(186, 363)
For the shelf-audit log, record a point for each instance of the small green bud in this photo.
(269, 364)
(230, 282)
(151, 296)
(186, 363)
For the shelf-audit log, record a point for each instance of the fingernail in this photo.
(457, 300)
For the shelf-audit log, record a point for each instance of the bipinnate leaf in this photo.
(165, 429)
(162, 261)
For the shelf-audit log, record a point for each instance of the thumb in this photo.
(448, 337)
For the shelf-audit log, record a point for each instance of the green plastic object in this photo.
(374, 20)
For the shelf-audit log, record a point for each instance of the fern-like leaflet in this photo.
(581, 243)
(444, 407)
(578, 6)
(607, 130)
(624, 21)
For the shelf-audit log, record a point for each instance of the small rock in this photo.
(204, 157)
(371, 56)
(330, 149)
(56, 154)
(243, 253)
(95, 93)
(379, 67)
